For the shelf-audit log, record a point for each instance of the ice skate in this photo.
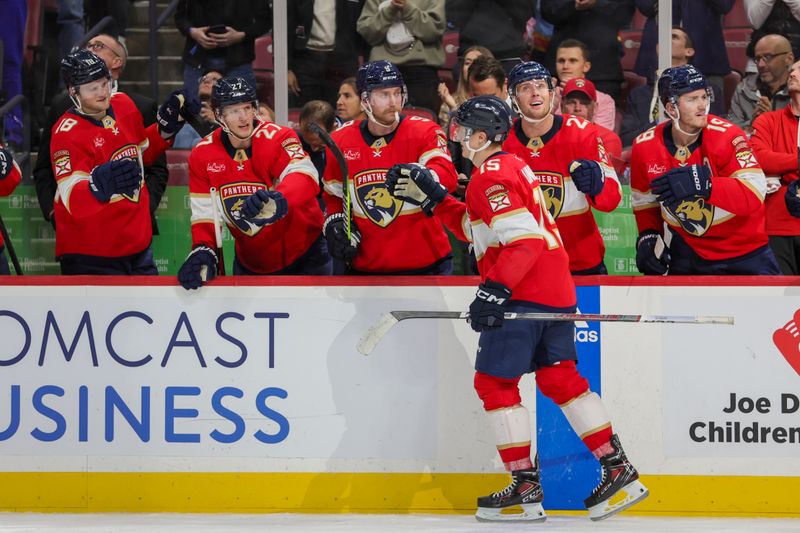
(525, 491)
(619, 479)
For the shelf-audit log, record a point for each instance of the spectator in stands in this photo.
(70, 25)
(408, 33)
(348, 105)
(597, 24)
(774, 143)
(188, 136)
(114, 55)
(769, 16)
(580, 99)
(321, 113)
(702, 20)
(486, 76)
(450, 102)
(265, 112)
(498, 25)
(572, 61)
(12, 35)
(96, 10)
(324, 47)
(764, 91)
(220, 36)
(641, 113)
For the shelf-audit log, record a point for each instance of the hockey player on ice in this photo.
(388, 235)
(524, 268)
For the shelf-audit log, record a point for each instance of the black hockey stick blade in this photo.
(374, 334)
(10, 248)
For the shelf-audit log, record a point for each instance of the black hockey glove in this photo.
(587, 176)
(6, 163)
(264, 207)
(681, 183)
(122, 176)
(170, 116)
(487, 309)
(793, 198)
(416, 185)
(339, 246)
(200, 267)
(652, 255)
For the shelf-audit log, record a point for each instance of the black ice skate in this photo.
(525, 490)
(618, 476)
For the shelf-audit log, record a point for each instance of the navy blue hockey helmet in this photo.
(676, 81)
(378, 75)
(485, 113)
(81, 67)
(232, 90)
(528, 70)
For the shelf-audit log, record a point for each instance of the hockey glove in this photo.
(416, 185)
(264, 207)
(587, 176)
(122, 176)
(200, 266)
(681, 183)
(170, 114)
(6, 163)
(487, 309)
(339, 246)
(793, 198)
(652, 255)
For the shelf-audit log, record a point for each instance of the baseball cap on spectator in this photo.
(581, 85)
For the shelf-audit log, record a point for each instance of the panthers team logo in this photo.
(552, 185)
(130, 151)
(378, 205)
(232, 197)
(694, 215)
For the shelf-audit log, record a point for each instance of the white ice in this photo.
(357, 523)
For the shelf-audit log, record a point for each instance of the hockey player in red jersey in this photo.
(10, 177)
(523, 268)
(570, 161)
(697, 173)
(98, 148)
(266, 189)
(388, 236)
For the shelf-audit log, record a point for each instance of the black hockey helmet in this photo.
(484, 113)
(81, 67)
(379, 75)
(683, 79)
(232, 90)
(526, 71)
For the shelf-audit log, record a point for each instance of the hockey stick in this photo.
(375, 333)
(326, 138)
(217, 231)
(10, 247)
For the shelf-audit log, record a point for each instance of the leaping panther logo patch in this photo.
(378, 205)
(232, 196)
(694, 215)
(552, 185)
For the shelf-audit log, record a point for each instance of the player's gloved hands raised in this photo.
(122, 176)
(652, 255)
(200, 266)
(6, 163)
(487, 309)
(587, 176)
(264, 207)
(339, 246)
(681, 183)
(792, 198)
(416, 185)
(170, 116)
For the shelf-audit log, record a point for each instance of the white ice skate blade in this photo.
(531, 512)
(634, 493)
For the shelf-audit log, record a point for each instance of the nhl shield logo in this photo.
(552, 185)
(232, 197)
(694, 215)
(378, 205)
(130, 151)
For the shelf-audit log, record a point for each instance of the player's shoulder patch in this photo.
(645, 136)
(497, 194)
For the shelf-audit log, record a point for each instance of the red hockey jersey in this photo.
(515, 239)
(395, 235)
(731, 222)
(8, 184)
(275, 161)
(84, 225)
(549, 157)
(774, 141)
